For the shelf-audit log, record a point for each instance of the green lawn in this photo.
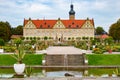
(29, 59)
(103, 59)
(36, 59)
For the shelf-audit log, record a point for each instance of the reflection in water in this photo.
(59, 72)
(6, 75)
(62, 73)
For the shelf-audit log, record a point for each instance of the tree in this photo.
(17, 30)
(2, 43)
(69, 38)
(114, 30)
(99, 30)
(17, 41)
(5, 31)
(83, 38)
(33, 42)
(45, 38)
(109, 40)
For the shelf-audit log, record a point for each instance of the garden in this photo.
(20, 51)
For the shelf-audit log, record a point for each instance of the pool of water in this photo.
(60, 72)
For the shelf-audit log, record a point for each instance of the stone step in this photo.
(68, 60)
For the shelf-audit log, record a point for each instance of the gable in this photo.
(87, 24)
(29, 24)
(59, 25)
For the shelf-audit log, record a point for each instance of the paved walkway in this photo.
(63, 50)
(64, 78)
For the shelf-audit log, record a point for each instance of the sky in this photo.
(104, 12)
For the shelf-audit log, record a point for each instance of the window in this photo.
(40, 26)
(88, 25)
(69, 26)
(48, 26)
(72, 23)
(45, 23)
(77, 26)
(29, 25)
(65, 38)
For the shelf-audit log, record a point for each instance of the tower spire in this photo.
(71, 12)
(71, 1)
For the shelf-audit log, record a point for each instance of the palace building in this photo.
(59, 29)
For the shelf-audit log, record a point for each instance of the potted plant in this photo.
(19, 67)
(28, 71)
(117, 71)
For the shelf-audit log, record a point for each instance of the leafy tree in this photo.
(31, 38)
(34, 38)
(109, 40)
(22, 38)
(91, 38)
(38, 38)
(114, 30)
(5, 31)
(17, 41)
(17, 30)
(83, 38)
(69, 38)
(27, 38)
(45, 38)
(2, 43)
(99, 30)
(33, 42)
(86, 38)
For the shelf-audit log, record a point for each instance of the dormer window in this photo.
(69, 26)
(48, 26)
(40, 26)
(77, 26)
(72, 23)
(45, 23)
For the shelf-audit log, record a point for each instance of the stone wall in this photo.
(66, 33)
(65, 60)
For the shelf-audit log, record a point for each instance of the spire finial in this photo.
(71, 1)
(29, 18)
(71, 12)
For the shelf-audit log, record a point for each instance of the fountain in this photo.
(65, 60)
(62, 57)
(66, 66)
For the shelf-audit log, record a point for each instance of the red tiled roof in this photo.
(42, 23)
(73, 23)
(104, 36)
(45, 24)
(16, 36)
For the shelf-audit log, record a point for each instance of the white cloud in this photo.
(34, 8)
(105, 12)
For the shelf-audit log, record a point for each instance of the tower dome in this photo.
(71, 12)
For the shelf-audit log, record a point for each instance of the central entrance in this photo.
(59, 37)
